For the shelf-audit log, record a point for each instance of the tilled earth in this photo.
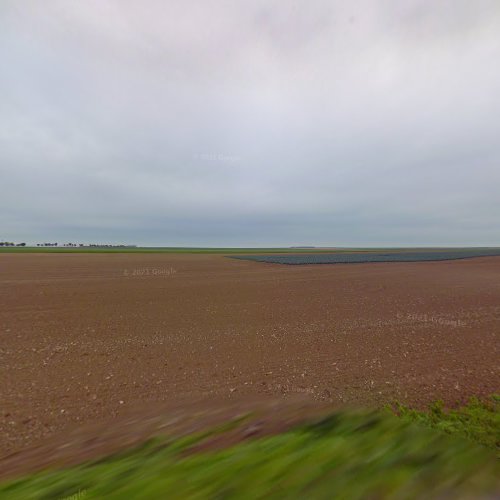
(90, 338)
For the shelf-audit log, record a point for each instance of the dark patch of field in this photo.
(372, 256)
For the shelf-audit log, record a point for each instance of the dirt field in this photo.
(85, 338)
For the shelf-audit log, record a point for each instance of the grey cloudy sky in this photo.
(250, 123)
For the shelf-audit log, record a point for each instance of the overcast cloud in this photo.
(255, 122)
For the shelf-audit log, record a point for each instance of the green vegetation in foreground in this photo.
(346, 455)
(200, 250)
(478, 421)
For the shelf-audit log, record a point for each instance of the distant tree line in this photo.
(109, 246)
(91, 245)
(74, 245)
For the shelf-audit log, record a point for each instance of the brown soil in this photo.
(91, 338)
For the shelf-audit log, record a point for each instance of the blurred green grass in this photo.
(478, 421)
(363, 454)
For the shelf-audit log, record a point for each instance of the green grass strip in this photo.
(346, 455)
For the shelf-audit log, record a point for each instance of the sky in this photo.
(256, 123)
